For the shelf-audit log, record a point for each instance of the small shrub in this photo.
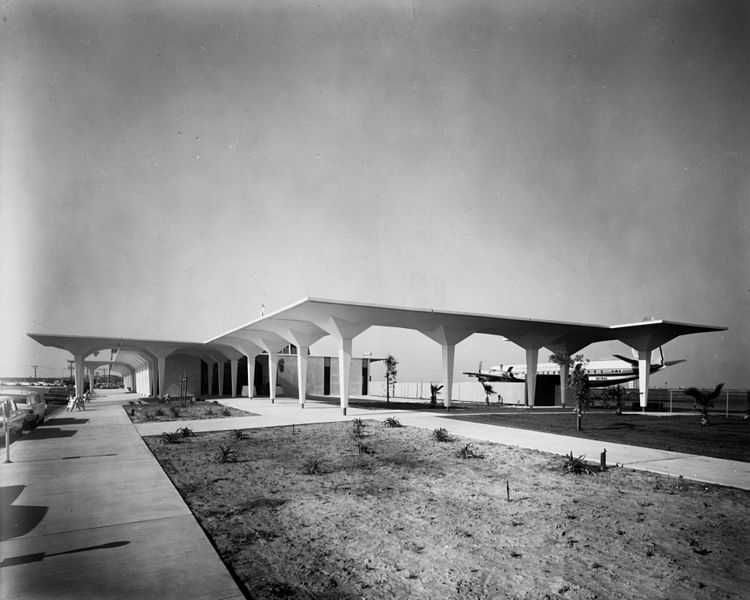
(392, 422)
(238, 434)
(173, 437)
(315, 465)
(210, 411)
(576, 464)
(226, 454)
(159, 412)
(185, 432)
(226, 412)
(174, 411)
(358, 428)
(363, 448)
(468, 451)
(149, 416)
(441, 435)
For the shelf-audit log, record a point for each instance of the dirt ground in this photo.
(142, 411)
(315, 512)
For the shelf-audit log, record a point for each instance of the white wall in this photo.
(465, 391)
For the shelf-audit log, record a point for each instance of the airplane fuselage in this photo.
(601, 373)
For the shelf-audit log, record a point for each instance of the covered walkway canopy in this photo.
(311, 319)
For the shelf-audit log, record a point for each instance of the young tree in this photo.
(390, 376)
(566, 361)
(579, 386)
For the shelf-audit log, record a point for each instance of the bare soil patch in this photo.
(315, 512)
(143, 411)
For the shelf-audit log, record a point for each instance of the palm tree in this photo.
(704, 401)
(434, 389)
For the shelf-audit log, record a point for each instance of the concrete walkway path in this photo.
(87, 512)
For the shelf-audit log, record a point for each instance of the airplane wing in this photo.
(490, 376)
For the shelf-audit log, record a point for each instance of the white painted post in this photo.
(273, 362)
(532, 356)
(345, 364)
(670, 400)
(162, 366)
(233, 367)
(302, 374)
(644, 370)
(449, 352)
(220, 376)
(250, 375)
(210, 378)
(6, 412)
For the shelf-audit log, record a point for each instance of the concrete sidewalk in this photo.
(87, 512)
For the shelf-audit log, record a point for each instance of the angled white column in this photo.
(233, 364)
(152, 377)
(447, 337)
(345, 368)
(250, 350)
(210, 377)
(162, 366)
(564, 375)
(79, 373)
(273, 365)
(302, 374)
(220, 376)
(449, 351)
(532, 357)
(345, 331)
(250, 374)
(644, 370)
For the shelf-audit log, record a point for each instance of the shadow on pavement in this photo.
(47, 434)
(63, 421)
(39, 556)
(16, 521)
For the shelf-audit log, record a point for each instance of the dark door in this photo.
(327, 376)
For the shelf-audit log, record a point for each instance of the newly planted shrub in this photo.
(209, 411)
(576, 464)
(238, 434)
(468, 451)
(159, 412)
(173, 437)
(392, 422)
(149, 416)
(226, 454)
(185, 432)
(315, 465)
(226, 412)
(441, 435)
(358, 428)
(363, 448)
(174, 411)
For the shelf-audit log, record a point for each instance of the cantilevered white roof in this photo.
(313, 318)
(310, 319)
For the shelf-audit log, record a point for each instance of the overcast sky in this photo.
(168, 167)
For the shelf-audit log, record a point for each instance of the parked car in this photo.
(32, 404)
(16, 419)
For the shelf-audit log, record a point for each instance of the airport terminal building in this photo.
(273, 352)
